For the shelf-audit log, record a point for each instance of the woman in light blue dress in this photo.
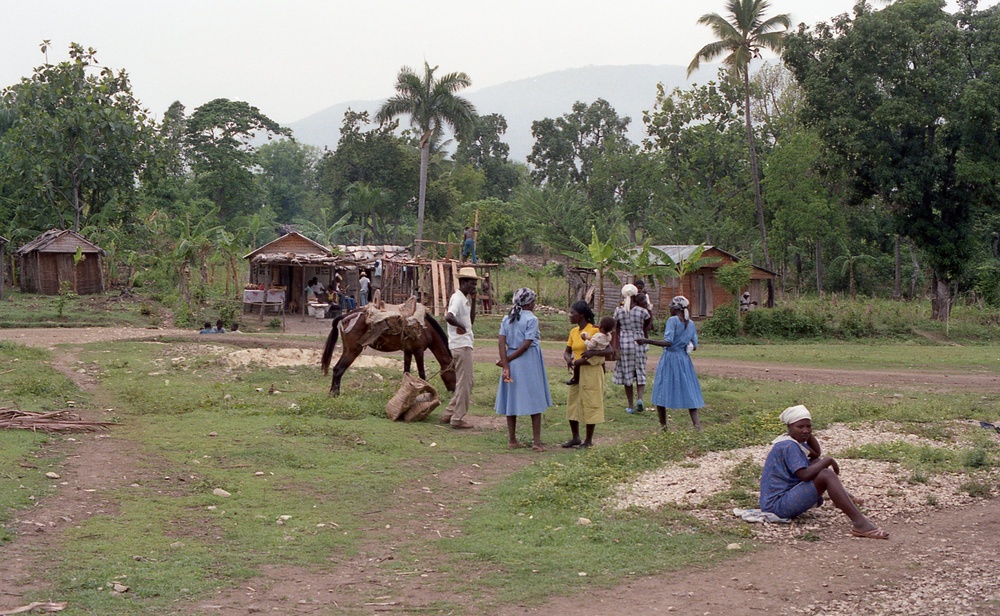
(524, 386)
(676, 385)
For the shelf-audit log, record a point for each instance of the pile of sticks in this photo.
(53, 421)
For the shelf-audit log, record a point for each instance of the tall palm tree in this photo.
(431, 103)
(742, 36)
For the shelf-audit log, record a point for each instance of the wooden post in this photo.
(434, 289)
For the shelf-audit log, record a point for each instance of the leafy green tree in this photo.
(288, 176)
(482, 147)
(602, 256)
(498, 228)
(566, 148)
(692, 263)
(696, 142)
(742, 36)
(77, 138)
(908, 98)
(803, 204)
(218, 138)
(379, 159)
(432, 104)
(558, 215)
(326, 230)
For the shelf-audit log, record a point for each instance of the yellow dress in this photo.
(585, 400)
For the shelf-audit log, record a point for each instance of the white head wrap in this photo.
(793, 414)
(681, 303)
(628, 292)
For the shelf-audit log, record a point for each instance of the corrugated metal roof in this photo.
(370, 252)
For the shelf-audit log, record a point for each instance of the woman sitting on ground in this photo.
(796, 475)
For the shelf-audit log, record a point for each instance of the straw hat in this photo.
(468, 272)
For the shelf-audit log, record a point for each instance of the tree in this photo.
(431, 104)
(742, 37)
(482, 147)
(908, 99)
(77, 137)
(218, 137)
(604, 258)
(566, 148)
(288, 176)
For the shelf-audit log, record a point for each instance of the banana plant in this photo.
(602, 257)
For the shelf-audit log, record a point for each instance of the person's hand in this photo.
(834, 466)
(505, 375)
(460, 330)
(587, 354)
(642, 340)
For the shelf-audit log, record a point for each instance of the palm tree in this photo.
(742, 36)
(431, 103)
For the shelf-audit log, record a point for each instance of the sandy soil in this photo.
(942, 559)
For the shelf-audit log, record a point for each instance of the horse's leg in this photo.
(407, 357)
(347, 356)
(420, 364)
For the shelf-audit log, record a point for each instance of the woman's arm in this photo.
(813, 470)
(519, 351)
(815, 451)
(568, 356)
(607, 353)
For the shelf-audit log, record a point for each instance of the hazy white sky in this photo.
(292, 58)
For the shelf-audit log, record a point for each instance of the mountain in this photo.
(630, 90)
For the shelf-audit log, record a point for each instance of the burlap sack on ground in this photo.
(414, 400)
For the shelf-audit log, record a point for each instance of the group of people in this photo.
(219, 328)
(795, 476)
(523, 388)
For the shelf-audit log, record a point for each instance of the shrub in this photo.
(725, 323)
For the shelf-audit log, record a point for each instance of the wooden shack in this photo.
(280, 269)
(50, 259)
(700, 287)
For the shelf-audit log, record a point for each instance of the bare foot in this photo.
(537, 448)
(515, 445)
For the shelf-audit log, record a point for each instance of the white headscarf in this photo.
(681, 303)
(628, 292)
(793, 414)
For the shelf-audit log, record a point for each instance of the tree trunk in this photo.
(940, 298)
(819, 267)
(916, 271)
(425, 154)
(754, 171)
(897, 271)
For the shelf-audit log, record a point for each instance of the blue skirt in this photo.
(528, 393)
(676, 385)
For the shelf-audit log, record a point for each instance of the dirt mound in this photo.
(300, 357)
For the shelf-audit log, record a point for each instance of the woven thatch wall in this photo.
(43, 272)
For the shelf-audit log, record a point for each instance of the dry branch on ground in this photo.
(53, 421)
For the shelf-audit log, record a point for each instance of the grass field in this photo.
(336, 467)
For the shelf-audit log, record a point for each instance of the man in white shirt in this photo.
(460, 317)
(363, 285)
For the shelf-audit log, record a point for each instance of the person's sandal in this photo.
(875, 533)
(570, 444)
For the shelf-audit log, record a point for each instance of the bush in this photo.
(725, 323)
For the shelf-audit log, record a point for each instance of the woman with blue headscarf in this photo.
(675, 385)
(524, 386)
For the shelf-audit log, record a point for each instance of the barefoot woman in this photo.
(523, 388)
(796, 476)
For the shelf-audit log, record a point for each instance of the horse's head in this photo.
(438, 344)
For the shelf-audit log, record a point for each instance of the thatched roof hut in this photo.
(51, 259)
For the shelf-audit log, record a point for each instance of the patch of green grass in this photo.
(877, 356)
(977, 489)
(922, 458)
(99, 310)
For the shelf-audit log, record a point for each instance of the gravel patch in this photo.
(887, 488)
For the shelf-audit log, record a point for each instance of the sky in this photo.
(292, 58)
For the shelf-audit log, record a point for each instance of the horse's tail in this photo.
(438, 330)
(331, 341)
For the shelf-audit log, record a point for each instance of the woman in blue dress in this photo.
(524, 386)
(676, 385)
